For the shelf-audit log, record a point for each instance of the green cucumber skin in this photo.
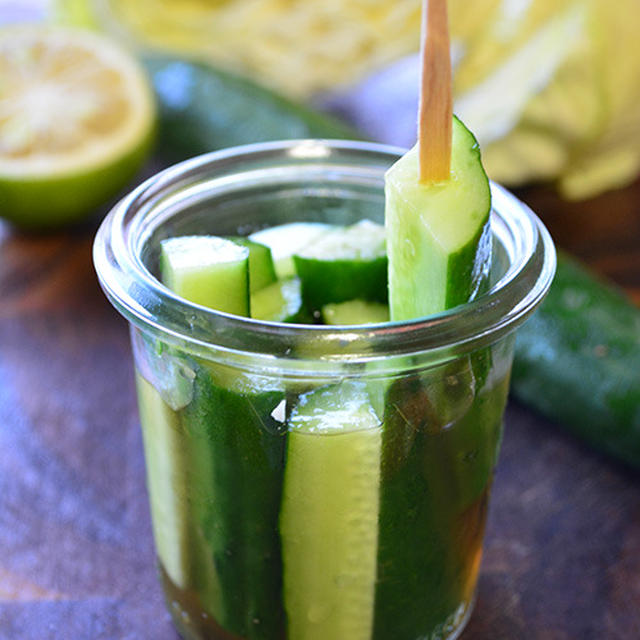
(431, 479)
(577, 361)
(241, 461)
(262, 271)
(367, 280)
(469, 267)
(202, 108)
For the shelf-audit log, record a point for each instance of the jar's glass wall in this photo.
(239, 518)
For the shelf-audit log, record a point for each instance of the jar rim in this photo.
(146, 303)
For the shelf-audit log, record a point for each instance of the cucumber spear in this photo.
(437, 196)
(231, 457)
(437, 209)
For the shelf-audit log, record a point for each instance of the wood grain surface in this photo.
(563, 542)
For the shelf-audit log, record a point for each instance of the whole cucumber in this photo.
(577, 361)
(203, 108)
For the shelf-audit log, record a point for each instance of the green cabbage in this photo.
(551, 89)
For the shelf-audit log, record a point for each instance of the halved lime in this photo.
(76, 122)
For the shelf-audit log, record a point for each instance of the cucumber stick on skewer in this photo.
(438, 236)
(329, 517)
(437, 196)
(437, 206)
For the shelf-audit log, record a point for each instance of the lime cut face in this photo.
(76, 121)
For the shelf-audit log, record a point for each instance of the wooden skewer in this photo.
(436, 103)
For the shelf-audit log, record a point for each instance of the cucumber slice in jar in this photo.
(233, 456)
(355, 312)
(285, 239)
(343, 264)
(236, 456)
(262, 271)
(438, 235)
(166, 482)
(329, 516)
(280, 302)
(207, 270)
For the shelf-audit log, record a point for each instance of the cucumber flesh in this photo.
(285, 239)
(280, 302)
(364, 240)
(438, 235)
(343, 264)
(207, 270)
(166, 482)
(329, 517)
(355, 312)
(262, 271)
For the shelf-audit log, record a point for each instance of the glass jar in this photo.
(369, 524)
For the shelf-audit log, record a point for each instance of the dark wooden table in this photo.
(563, 542)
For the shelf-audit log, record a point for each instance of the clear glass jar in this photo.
(369, 530)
